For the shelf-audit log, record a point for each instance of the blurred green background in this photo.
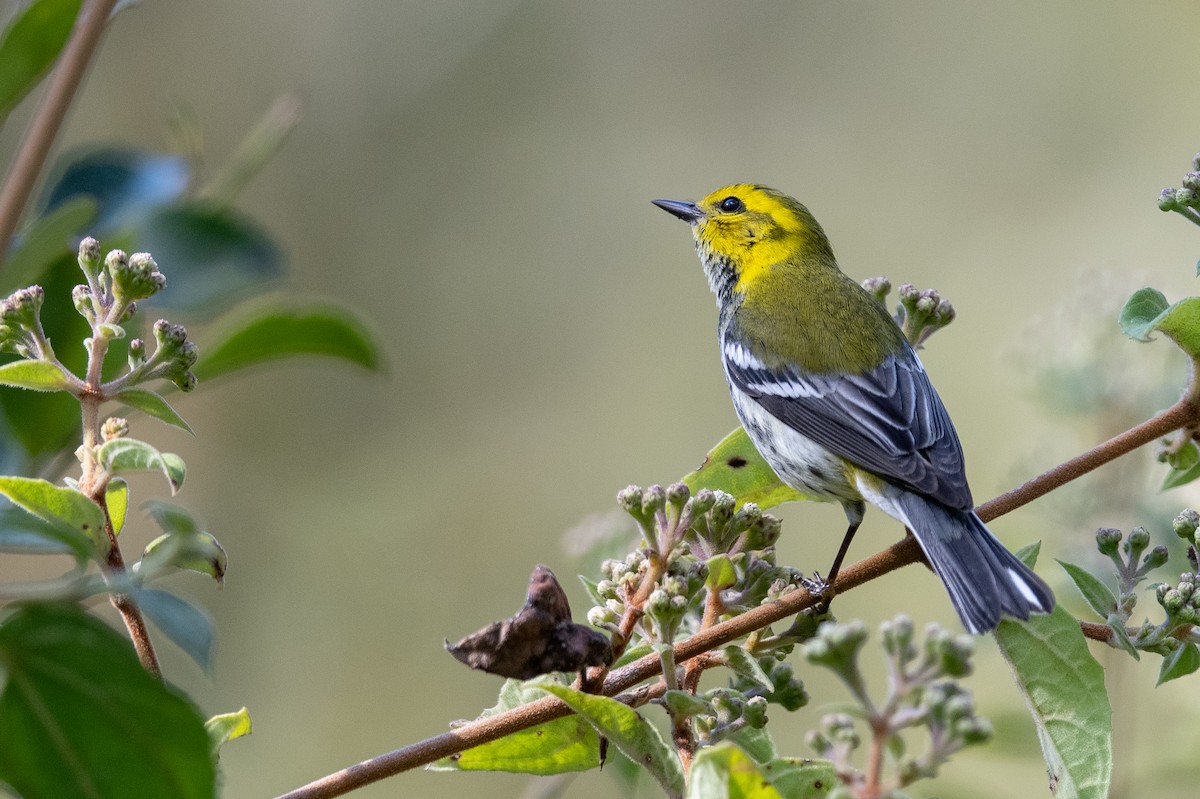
(475, 179)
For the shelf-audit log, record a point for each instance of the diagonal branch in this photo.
(904, 552)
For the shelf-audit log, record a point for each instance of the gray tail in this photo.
(983, 578)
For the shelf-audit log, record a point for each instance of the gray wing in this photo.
(890, 420)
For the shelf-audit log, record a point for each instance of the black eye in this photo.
(731, 205)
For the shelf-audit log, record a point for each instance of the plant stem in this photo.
(902, 553)
(49, 115)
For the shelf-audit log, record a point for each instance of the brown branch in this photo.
(900, 554)
(49, 116)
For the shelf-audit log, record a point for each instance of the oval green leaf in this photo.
(1063, 686)
(1141, 313)
(79, 716)
(116, 498)
(129, 454)
(30, 45)
(561, 746)
(152, 404)
(197, 551)
(188, 627)
(33, 375)
(225, 727)
(638, 739)
(723, 771)
(735, 466)
(23, 533)
(277, 332)
(1180, 663)
(1098, 595)
(1181, 323)
(79, 520)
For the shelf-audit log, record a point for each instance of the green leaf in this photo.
(188, 627)
(80, 717)
(1116, 623)
(225, 727)
(1063, 686)
(277, 332)
(129, 454)
(801, 777)
(154, 405)
(171, 518)
(116, 497)
(77, 519)
(30, 45)
(564, 745)
(1181, 323)
(1028, 554)
(1185, 466)
(196, 551)
(725, 771)
(735, 466)
(24, 533)
(44, 242)
(756, 742)
(637, 738)
(743, 663)
(1142, 312)
(215, 255)
(720, 572)
(684, 703)
(1098, 595)
(1180, 663)
(33, 375)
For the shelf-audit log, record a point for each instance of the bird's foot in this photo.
(819, 587)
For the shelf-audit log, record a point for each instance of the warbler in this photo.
(836, 400)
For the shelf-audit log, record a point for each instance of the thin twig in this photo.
(900, 554)
(48, 117)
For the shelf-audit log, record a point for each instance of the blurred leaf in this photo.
(1063, 686)
(46, 240)
(1185, 466)
(196, 551)
(209, 256)
(78, 520)
(189, 627)
(276, 332)
(128, 185)
(742, 662)
(1098, 595)
(801, 777)
(154, 405)
(22, 532)
(756, 742)
(1180, 663)
(1141, 313)
(1181, 322)
(129, 454)
(724, 771)
(684, 703)
(32, 375)
(564, 745)
(1116, 623)
(1028, 554)
(30, 45)
(734, 466)
(79, 716)
(116, 497)
(637, 738)
(225, 727)
(720, 572)
(171, 518)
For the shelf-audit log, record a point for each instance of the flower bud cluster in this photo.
(721, 528)
(920, 314)
(114, 427)
(729, 711)
(21, 324)
(922, 692)
(879, 288)
(1186, 198)
(787, 690)
(1181, 601)
(677, 598)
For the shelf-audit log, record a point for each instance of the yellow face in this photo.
(751, 228)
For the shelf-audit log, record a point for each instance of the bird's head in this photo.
(743, 230)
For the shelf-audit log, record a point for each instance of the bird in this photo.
(836, 400)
